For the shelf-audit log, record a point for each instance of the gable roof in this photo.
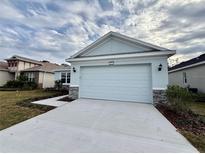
(16, 57)
(3, 66)
(190, 63)
(45, 67)
(120, 36)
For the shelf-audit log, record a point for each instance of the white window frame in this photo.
(30, 76)
(67, 74)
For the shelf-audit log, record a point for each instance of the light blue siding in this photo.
(57, 76)
(115, 46)
(159, 78)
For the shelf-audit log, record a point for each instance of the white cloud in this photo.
(59, 33)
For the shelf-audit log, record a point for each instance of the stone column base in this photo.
(73, 92)
(159, 96)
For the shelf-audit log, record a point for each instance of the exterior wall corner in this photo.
(159, 96)
(73, 92)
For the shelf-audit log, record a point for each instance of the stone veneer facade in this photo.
(159, 96)
(73, 92)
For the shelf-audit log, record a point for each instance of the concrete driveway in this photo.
(95, 126)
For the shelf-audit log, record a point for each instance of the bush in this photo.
(58, 84)
(178, 98)
(13, 84)
(21, 83)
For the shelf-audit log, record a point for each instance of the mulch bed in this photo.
(184, 121)
(66, 99)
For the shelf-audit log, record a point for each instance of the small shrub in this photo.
(14, 84)
(21, 83)
(58, 84)
(178, 98)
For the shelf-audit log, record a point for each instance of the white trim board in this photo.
(144, 54)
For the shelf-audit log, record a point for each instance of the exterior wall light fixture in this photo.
(74, 70)
(160, 67)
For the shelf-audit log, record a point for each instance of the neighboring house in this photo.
(39, 71)
(62, 73)
(117, 67)
(5, 75)
(17, 63)
(190, 73)
(43, 75)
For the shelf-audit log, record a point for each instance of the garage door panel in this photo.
(125, 83)
(115, 81)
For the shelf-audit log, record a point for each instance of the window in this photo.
(65, 77)
(30, 76)
(184, 78)
(68, 77)
(15, 64)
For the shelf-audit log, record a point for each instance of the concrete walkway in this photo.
(52, 101)
(96, 126)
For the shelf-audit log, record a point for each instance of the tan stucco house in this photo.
(5, 74)
(190, 73)
(39, 71)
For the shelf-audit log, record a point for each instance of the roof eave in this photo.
(186, 67)
(121, 37)
(121, 56)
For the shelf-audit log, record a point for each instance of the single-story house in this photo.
(5, 75)
(117, 67)
(190, 74)
(43, 75)
(62, 73)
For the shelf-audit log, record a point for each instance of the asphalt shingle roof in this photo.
(196, 60)
(45, 67)
(16, 57)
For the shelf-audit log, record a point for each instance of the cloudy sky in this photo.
(55, 29)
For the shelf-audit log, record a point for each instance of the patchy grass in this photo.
(186, 111)
(191, 124)
(197, 140)
(15, 106)
(198, 108)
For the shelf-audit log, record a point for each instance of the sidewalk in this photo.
(52, 101)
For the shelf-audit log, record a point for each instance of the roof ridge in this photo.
(24, 58)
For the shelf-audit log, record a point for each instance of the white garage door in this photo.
(123, 83)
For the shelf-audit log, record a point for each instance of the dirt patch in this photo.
(184, 121)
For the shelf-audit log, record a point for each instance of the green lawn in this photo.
(11, 113)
